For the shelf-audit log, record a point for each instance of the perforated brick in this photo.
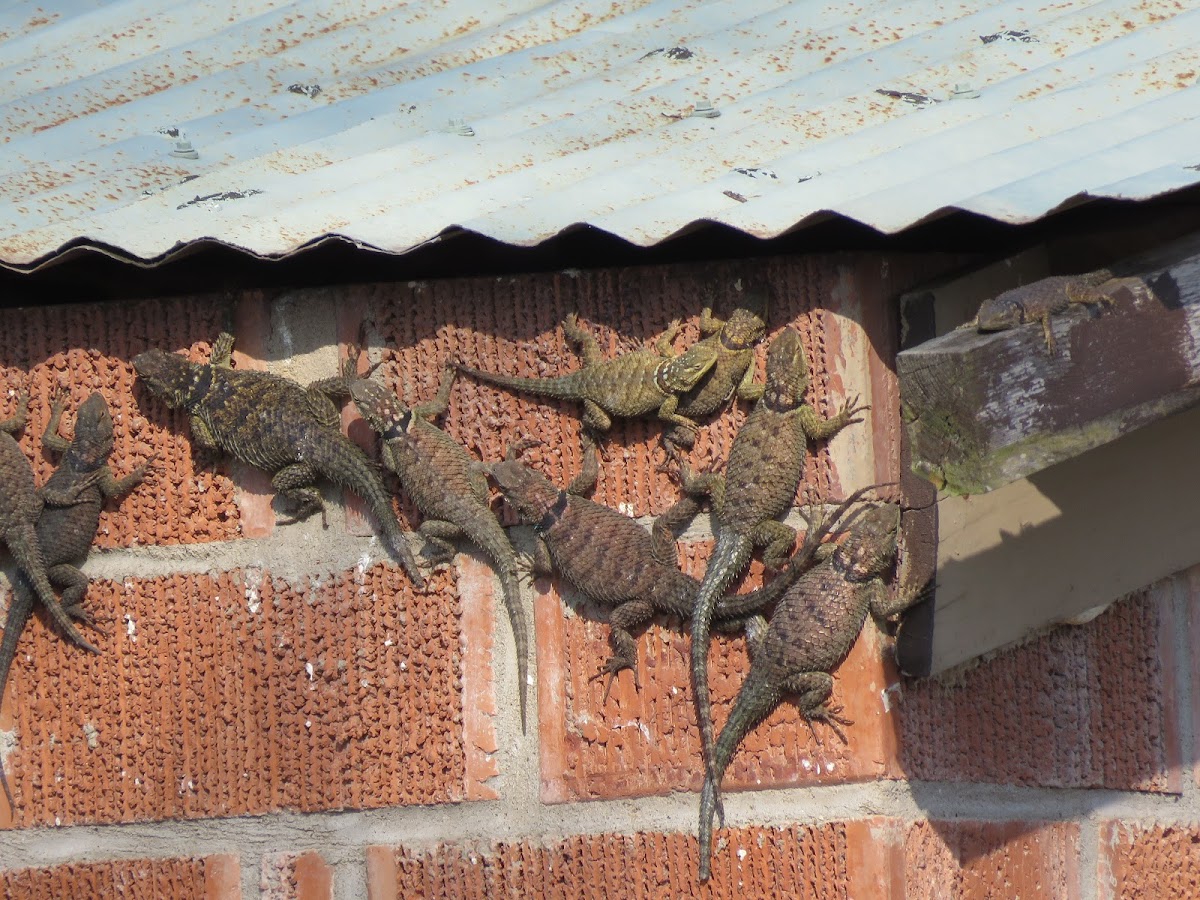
(87, 348)
(982, 860)
(799, 862)
(647, 742)
(1149, 861)
(238, 694)
(205, 878)
(296, 876)
(1083, 706)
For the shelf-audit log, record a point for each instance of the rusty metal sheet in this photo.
(272, 125)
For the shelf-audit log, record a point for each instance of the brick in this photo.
(1149, 861)
(1091, 706)
(204, 703)
(296, 876)
(88, 348)
(803, 862)
(979, 860)
(647, 742)
(203, 878)
(511, 325)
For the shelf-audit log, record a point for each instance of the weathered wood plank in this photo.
(982, 410)
(1048, 549)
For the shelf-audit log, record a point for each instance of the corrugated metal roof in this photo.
(388, 123)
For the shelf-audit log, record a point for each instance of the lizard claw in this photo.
(831, 716)
(612, 668)
(852, 407)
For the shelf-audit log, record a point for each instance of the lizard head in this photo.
(1000, 312)
(747, 324)
(93, 440)
(381, 409)
(685, 371)
(170, 376)
(527, 493)
(871, 545)
(787, 371)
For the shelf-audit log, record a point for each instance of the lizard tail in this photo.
(756, 699)
(488, 534)
(342, 462)
(561, 387)
(511, 586)
(19, 610)
(729, 557)
(26, 552)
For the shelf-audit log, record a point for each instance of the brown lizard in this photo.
(764, 470)
(448, 486)
(1041, 300)
(640, 383)
(612, 560)
(813, 628)
(277, 425)
(65, 533)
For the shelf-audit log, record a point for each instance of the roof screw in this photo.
(184, 149)
(459, 127)
(964, 92)
(704, 110)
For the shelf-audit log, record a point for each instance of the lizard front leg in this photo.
(441, 401)
(16, 422)
(748, 388)
(295, 484)
(51, 439)
(819, 429)
(710, 324)
(663, 345)
(111, 486)
(222, 352)
(668, 524)
(202, 435)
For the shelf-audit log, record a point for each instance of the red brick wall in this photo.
(277, 714)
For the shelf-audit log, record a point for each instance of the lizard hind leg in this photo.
(621, 621)
(74, 586)
(815, 689)
(438, 535)
(295, 483)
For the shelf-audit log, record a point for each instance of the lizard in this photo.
(640, 383)
(765, 465)
(274, 423)
(812, 630)
(447, 485)
(733, 340)
(65, 533)
(1041, 300)
(20, 505)
(611, 559)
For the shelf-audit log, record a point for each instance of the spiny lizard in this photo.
(814, 626)
(635, 384)
(277, 425)
(448, 486)
(764, 469)
(611, 560)
(66, 532)
(734, 340)
(1040, 301)
(20, 505)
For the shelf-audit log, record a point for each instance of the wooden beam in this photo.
(1056, 547)
(983, 410)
